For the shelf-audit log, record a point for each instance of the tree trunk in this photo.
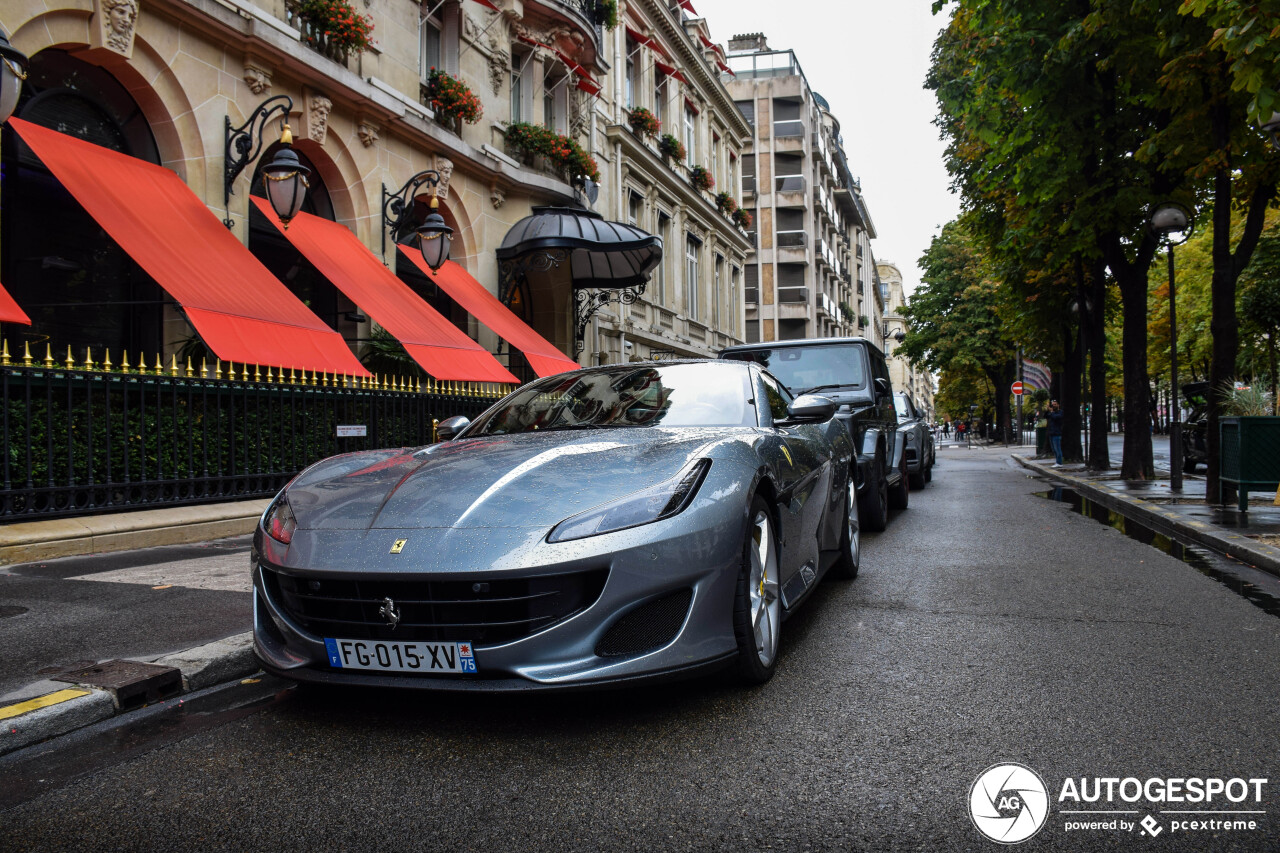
(1271, 366)
(1136, 463)
(1072, 449)
(1099, 419)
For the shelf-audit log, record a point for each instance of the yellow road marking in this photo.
(41, 702)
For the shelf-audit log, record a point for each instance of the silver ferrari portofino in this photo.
(633, 521)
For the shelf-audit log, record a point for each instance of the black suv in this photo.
(852, 372)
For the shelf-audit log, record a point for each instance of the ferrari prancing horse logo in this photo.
(398, 546)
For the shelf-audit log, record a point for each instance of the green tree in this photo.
(955, 322)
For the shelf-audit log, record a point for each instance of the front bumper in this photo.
(644, 564)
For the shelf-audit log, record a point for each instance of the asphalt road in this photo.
(988, 625)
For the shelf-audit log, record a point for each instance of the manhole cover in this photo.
(131, 682)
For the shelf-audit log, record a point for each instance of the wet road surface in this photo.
(988, 625)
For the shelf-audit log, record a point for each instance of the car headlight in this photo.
(279, 521)
(655, 503)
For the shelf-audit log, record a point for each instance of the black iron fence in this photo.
(87, 441)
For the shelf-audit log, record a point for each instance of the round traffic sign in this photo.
(1017, 389)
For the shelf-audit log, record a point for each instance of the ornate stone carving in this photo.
(117, 21)
(318, 108)
(368, 133)
(499, 62)
(445, 167)
(257, 78)
(498, 196)
(579, 112)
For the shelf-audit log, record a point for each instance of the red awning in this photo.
(585, 82)
(9, 310)
(686, 4)
(543, 357)
(440, 347)
(636, 35)
(490, 5)
(657, 45)
(241, 311)
(725, 68)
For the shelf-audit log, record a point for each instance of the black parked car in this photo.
(851, 372)
(917, 440)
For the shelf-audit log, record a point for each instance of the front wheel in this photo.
(846, 565)
(875, 503)
(900, 495)
(757, 606)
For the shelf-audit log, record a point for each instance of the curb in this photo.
(28, 541)
(73, 707)
(1165, 521)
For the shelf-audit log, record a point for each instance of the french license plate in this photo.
(385, 656)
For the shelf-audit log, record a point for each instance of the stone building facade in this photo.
(916, 382)
(664, 62)
(163, 80)
(812, 273)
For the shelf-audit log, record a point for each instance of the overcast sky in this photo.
(868, 58)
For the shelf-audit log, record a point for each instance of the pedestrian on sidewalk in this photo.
(1055, 431)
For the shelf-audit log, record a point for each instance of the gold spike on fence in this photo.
(257, 374)
(4, 354)
(70, 363)
(190, 371)
(204, 368)
(88, 359)
(106, 362)
(48, 355)
(124, 362)
(27, 361)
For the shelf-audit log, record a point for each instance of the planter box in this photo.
(1249, 456)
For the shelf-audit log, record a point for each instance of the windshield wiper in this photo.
(828, 387)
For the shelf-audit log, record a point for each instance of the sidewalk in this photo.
(1252, 537)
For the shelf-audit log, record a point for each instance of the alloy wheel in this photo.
(764, 601)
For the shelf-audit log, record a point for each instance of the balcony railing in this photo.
(792, 239)
(789, 184)
(588, 12)
(793, 294)
(752, 295)
(793, 129)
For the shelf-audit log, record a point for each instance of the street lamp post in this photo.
(1174, 223)
(435, 237)
(13, 70)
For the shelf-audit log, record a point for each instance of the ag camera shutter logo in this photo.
(1009, 803)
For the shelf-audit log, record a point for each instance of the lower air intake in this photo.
(648, 627)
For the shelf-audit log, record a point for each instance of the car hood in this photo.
(524, 480)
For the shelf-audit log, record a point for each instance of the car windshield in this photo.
(904, 408)
(673, 395)
(808, 368)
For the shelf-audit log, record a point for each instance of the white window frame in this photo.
(693, 248)
(690, 133)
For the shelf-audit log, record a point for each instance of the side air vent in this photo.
(648, 627)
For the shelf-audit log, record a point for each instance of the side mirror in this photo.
(810, 409)
(449, 427)
(883, 386)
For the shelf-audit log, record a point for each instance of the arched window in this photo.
(79, 288)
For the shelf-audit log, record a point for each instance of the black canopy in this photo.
(601, 254)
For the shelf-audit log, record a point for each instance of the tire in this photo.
(875, 502)
(900, 495)
(757, 604)
(918, 480)
(928, 472)
(845, 567)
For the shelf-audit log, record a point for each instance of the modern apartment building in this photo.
(905, 376)
(811, 273)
